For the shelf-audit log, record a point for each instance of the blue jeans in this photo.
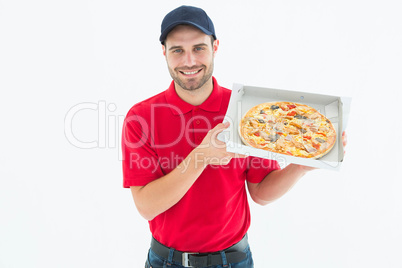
(155, 261)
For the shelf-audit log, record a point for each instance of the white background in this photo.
(64, 206)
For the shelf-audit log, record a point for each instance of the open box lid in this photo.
(336, 109)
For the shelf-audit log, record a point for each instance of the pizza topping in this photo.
(320, 140)
(309, 148)
(291, 130)
(254, 123)
(308, 122)
(279, 126)
(298, 144)
(275, 137)
(284, 107)
(264, 135)
(270, 118)
(274, 107)
(315, 116)
(313, 128)
(262, 112)
(323, 129)
(280, 144)
(296, 124)
(316, 145)
(278, 131)
(298, 116)
(324, 146)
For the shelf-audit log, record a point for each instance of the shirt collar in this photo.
(179, 106)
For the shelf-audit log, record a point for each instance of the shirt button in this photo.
(197, 122)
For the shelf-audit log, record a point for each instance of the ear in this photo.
(215, 46)
(164, 50)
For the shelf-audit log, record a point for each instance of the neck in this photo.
(198, 96)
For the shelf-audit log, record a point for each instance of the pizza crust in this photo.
(288, 128)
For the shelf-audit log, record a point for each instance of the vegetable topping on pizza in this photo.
(288, 128)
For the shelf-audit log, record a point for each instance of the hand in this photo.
(213, 151)
(307, 168)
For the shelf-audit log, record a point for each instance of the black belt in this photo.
(233, 254)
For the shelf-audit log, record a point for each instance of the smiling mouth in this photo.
(190, 72)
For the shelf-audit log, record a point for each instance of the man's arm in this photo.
(276, 184)
(279, 182)
(163, 193)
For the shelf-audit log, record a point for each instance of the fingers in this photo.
(344, 139)
(211, 139)
(218, 129)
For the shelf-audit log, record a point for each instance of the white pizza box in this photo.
(245, 97)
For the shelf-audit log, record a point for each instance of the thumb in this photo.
(219, 128)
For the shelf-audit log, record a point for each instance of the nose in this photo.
(189, 59)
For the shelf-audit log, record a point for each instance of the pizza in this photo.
(288, 128)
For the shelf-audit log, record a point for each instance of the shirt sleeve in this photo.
(140, 160)
(258, 168)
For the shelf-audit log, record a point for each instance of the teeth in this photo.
(191, 72)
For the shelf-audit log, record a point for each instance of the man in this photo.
(193, 192)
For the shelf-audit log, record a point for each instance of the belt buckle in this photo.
(184, 258)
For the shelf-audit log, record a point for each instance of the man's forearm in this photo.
(277, 183)
(163, 193)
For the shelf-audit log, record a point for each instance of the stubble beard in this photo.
(190, 84)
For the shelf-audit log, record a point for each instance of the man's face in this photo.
(190, 56)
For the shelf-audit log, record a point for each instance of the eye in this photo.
(178, 50)
(198, 48)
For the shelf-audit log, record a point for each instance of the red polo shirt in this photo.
(158, 134)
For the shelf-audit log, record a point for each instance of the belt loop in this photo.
(224, 260)
(170, 258)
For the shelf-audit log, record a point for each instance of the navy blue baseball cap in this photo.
(187, 15)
